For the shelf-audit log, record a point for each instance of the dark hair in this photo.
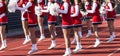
(35, 2)
(6, 6)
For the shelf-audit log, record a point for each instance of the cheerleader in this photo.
(66, 24)
(24, 20)
(77, 24)
(41, 4)
(51, 23)
(96, 20)
(110, 18)
(32, 23)
(88, 17)
(3, 23)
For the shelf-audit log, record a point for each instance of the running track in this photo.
(15, 47)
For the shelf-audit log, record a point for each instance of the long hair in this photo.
(6, 6)
(35, 2)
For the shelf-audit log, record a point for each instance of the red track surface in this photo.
(15, 46)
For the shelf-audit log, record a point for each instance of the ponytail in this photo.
(6, 6)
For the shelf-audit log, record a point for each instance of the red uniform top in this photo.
(66, 19)
(88, 7)
(3, 17)
(20, 4)
(42, 3)
(76, 15)
(32, 19)
(110, 10)
(96, 14)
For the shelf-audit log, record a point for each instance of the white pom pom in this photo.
(53, 9)
(38, 10)
(12, 5)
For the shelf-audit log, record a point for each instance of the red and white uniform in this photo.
(32, 19)
(88, 7)
(3, 17)
(76, 16)
(22, 3)
(110, 11)
(66, 12)
(41, 4)
(51, 18)
(96, 19)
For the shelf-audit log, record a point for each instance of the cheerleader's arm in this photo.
(111, 8)
(65, 11)
(1, 5)
(24, 8)
(77, 11)
(39, 1)
(48, 7)
(93, 8)
(86, 4)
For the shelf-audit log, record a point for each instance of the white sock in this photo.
(27, 37)
(67, 49)
(42, 35)
(53, 42)
(113, 33)
(80, 33)
(97, 39)
(89, 32)
(4, 43)
(78, 44)
(34, 46)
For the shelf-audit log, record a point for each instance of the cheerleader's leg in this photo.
(26, 32)
(95, 28)
(66, 33)
(40, 23)
(78, 46)
(33, 39)
(3, 37)
(89, 28)
(111, 30)
(52, 30)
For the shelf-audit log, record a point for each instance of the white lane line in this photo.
(26, 45)
(114, 52)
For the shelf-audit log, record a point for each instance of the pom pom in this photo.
(12, 5)
(38, 10)
(54, 9)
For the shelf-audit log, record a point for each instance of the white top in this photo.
(1, 5)
(39, 1)
(77, 11)
(25, 7)
(111, 8)
(93, 8)
(48, 7)
(86, 3)
(65, 11)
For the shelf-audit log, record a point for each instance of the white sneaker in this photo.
(32, 51)
(97, 43)
(26, 41)
(88, 35)
(67, 53)
(52, 46)
(3, 47)
(41, 38)
(77, 49)
(74, 41)
(111, 39)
